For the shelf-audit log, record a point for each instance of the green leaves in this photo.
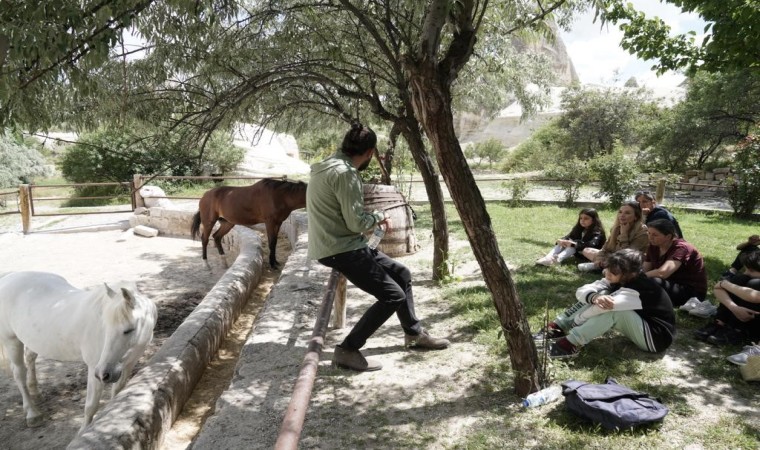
(734, 27)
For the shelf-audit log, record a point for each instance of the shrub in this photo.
(744, 190)
(519, 188)
(542, 148)
(221, 156)
(617, 176)
(491, 150)
(19, 163)
(116, 154)
(571, 175)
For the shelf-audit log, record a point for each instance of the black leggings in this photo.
(679, 293)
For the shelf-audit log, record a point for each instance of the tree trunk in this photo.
(413, 137)
(432, 105)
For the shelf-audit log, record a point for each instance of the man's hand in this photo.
(385, 224)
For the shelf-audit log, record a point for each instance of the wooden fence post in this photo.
(660, 194)
(339, 310)
(137, 183)
(24, 205)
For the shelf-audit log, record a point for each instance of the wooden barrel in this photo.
(401, 239)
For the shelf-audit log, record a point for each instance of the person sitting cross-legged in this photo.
(588, 232)
(628, 231)
(625, 300)
(674, 264)
(737, 320)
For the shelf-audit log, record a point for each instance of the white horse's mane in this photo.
(116, 313)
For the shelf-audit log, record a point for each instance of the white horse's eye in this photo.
(129, 331)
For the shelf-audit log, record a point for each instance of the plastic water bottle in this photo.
(542, 397)
(376, 237)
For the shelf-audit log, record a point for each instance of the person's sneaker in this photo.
(546, 261)
(563, 349)
(425, 341)
(705, 332)
(354, 360)
(740, 358)
(725, 336)
(704, 310)
(548, 334)
(690, 304)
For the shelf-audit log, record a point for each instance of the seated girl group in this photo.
(648, 270)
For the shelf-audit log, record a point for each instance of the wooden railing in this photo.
(292, 423)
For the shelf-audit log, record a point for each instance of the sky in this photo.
(596, 52)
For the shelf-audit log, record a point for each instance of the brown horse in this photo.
(268, 201)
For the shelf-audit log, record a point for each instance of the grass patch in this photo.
(526, 233)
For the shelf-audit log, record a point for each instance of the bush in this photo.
(221, 155)
(571, 175)
(19, 163)
(318, 145)
(519, 188)
(544, 147)
(617, 176)
(116, 154)
(491, 150)
(744, 190)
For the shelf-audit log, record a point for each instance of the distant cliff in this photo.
(510, 130)
(563, 66)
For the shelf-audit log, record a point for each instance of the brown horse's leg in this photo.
(224, 228)
(273, 229)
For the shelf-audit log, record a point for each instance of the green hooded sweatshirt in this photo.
(335, 207)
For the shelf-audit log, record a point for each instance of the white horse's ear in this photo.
(129, 297)
(110, 292)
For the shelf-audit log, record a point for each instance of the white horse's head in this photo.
(128, 321)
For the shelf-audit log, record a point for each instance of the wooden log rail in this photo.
(292, 424)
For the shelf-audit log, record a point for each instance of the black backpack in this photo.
(612, 405)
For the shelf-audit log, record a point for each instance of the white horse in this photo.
(108, 327)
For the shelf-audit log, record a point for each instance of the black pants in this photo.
(389, 281)
(679, 293)
(750, 329)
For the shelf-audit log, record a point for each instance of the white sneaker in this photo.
(740, 358)
(546, 261)
(704, 310)
(588, 267)
(690, 304)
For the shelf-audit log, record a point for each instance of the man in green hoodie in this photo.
(337, 221)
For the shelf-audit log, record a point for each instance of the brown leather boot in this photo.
(425, 341)
(354, 360)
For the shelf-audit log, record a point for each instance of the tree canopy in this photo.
(731, 41)
(719, 109)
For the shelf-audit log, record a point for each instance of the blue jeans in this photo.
(389, 281)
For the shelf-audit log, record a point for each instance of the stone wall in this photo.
(705, 180)
(693, 181)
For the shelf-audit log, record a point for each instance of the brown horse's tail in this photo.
(195, 228)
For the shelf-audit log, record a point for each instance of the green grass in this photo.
(524, 234)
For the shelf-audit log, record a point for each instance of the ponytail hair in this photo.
(358, 139)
